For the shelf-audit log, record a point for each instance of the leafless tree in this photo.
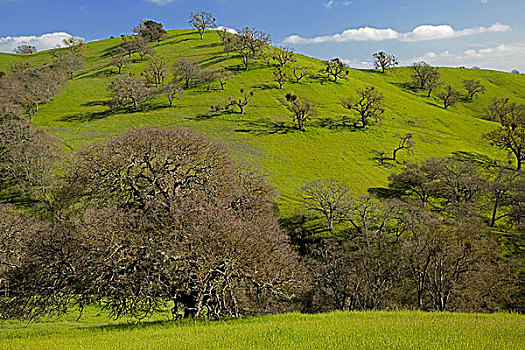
(368, 103)
(172, 91)
(280, 76)
(242, 101)
(129, 89)
(301, 72)
(336, 69)
(301, 109)
(202, 21)
(384, 61)
(120, 59)
(283, 55)
(155, 70)
(249, 44)
(448, 97)
(187, 70)
(25, 50)
(406, 142)
(473, 87)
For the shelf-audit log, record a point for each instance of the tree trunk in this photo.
(242, 109)
(494, 213)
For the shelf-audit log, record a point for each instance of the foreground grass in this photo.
(355, 330)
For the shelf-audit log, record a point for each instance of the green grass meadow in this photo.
(341, 330)
(266, 134)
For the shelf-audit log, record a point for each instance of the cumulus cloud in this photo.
(229, 30)
(421, 33)
(501, 57)
(160, 2)
(43, 42)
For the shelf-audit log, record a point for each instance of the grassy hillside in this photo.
(356, 330)
(266, 134)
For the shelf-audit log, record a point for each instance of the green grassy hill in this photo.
(266, 134)
(341, 330)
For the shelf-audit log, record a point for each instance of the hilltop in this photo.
(266, 134)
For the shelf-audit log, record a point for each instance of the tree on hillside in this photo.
(172, 91)
(223, 76)
(155, 70)
(202, 21)
(187, 70)
(406, 142)
(302, 110)
(70, 58)
(128, 89)
(422, 72)
(141, 46)
(249, 44)
(329, 198)
(283, 55)
(448, 97)
(384, 61)
(280, 75)
(228, 40)
(241, 101)
(433, 80)
(120, 59)
(25, 49)
(473, 87)
(368, 103)
(336, 69)
(511, 133)
(151, 30)
(301, 72)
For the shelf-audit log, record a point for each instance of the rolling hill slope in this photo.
(266, 134)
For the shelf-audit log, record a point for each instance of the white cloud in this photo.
(160, 2)
(43, 42)
(229, 30)
(424, 32)
(332, 3)
(501, 57)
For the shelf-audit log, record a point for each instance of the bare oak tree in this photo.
(302, 110)
(336, 69)
(368, 103)
(384, 61)
(241, 101)
(448, 97)
(473, 87)
(202, 21)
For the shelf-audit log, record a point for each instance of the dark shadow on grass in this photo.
(263, 127)
(94, 103)
(214, 60)
(208, 45)
(476, 158)
(407, 86)
(381, 159)
(266, 87)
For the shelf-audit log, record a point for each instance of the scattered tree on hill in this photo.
(129, 89)
(150, 30)
(433, 80)
(172, 91)
(302, 110)
(223, 76)
(202, 21)
(406, 142)
(368, 103)
(473, 87)
(128, 44)
(155, 70)
(280, 76)
(329, 198)
(187, 70)
(301, 72)
(141, 46)
(120, 59)
(249, 44)
(384, 61)
(242, 101)
(25, 50)
(424, 76)
(72, 57)
(336, 69)
(511, 133)
(228, 40)
(448, 97)
(283, 55)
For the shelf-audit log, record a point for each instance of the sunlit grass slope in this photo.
(357, 330)
(266, 134)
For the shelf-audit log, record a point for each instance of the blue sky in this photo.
(486, 33)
